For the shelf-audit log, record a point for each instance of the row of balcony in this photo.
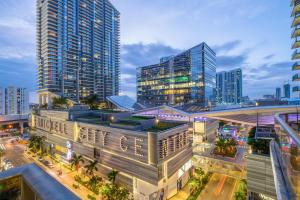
(296, 8)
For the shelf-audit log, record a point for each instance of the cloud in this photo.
(229, 62)
(269, 56)
(266, 77)
(226, 47)
(138, 55)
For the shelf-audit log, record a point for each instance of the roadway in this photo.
(220, 187)
(14, 152)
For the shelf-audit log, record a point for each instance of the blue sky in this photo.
(251, 34)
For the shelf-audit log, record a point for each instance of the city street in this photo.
(220, 187)
(15, 152)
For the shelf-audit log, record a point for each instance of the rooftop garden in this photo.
(162, 126)
(258, 146)
(127, 122)
(140, 118)
(226, 147)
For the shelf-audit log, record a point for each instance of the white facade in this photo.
(14, 101)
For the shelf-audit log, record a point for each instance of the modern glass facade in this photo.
(296, 45)
(78, 47)
(230, 87)
(187, 78)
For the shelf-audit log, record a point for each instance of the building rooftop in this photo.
(40, 182)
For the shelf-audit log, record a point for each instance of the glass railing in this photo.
(285, 154)
(295, 77)
(296, 89)
(296, 66)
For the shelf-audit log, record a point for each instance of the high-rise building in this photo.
(230, 87)
(187, 78)
(14, 101)
(287, 90)
(2, 101)
(278, 93)
(78, 47)
(296, 46)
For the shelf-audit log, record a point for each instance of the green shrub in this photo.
(91, 197)
(75, 186)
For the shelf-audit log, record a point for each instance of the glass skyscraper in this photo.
(185, 79)
(230, 87)
(78, 47)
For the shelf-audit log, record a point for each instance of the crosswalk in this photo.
(2, 147)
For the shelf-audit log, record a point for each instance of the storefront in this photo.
(64, 153)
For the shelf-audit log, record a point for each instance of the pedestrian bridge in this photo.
(246, 115)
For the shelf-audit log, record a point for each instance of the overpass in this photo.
(244, 115)
(14, 119)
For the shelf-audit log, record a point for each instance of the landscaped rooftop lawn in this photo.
(139, 118)
(162, 126)
(127, 122)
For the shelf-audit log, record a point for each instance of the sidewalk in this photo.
(182, 194)
(67, 177)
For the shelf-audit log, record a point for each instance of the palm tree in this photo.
(194, 185)
(76, 160)
(94, 183)
(199, 172)
(60, 102)
(36, 143)
(112, 176)
(91, 167)
(221, 145)
(92, 101)
(2, 152)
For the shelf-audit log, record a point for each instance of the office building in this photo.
(78, 47)
(31, 182)
(14, 100)
(278, 93)
(296, 45)
(187, 78)
(230, 87)
(287, 90)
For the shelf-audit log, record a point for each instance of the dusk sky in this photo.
(251, 34)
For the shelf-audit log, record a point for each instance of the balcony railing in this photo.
(295, 32)
(296, 21)
(296, 55)
(296, 66)
(296, 89)
(296, 44)
(295, 9)
(285, 156)
(296, 77)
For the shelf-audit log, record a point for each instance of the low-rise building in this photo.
(152, 156)
(31, 182)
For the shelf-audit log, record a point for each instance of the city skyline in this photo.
(241, 44)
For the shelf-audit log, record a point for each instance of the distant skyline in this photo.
(251, 34)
